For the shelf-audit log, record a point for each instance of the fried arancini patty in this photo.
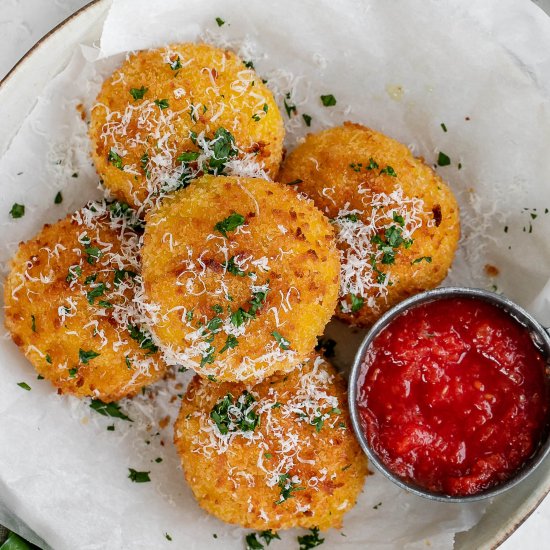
(244, 276)
(69, 298)
(277, 455)
(397, 221)
(163, 106)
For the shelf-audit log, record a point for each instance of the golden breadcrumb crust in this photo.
(286, 288)
(204, 88)
(329, 467)
(333, 166)
(57, 328)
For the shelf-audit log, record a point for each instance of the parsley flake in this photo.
(86, 356)
(58, 198)
(220, 21)
(115, 159)
(443, 159)
(144, 339)
(138, 477)
(427, 259)
(230, 343)
(162, 104)
(307, 120)
(389, 171)
(310, 541)
(99, 290)
(232, 416)
(232, 267)
(17, 210)
(108, 409)
(24, 385)
(281, 340)
(229, 224)
(287, 487)
(138, 93)
(328, 100)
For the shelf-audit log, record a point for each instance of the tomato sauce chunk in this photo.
(453, 396)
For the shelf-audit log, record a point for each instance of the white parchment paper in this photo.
(403, 67)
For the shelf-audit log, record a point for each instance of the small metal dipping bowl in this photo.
(540, 338)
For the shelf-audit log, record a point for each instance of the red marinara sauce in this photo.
(453, 396)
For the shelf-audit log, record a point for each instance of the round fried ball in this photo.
(243, 276)
(69, 301)
(162, 107)
(397, 221)
(277, 455)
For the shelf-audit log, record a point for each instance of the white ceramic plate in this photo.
(18, 93)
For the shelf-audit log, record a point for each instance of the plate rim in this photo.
(507, 530)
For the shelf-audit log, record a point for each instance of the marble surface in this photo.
(23, 22)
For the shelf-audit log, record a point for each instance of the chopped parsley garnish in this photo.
(24, 385)
(326, 346)
(310, 541)
(229, 224)
(58, 198)
(399, 219)
(232, 267)
(86, 356)
(443, 127)
(295, 182)
(356, 166)
(265, 108)
(427, 259)
(138, 477)
(90, 279)
(188, 156)
(276, 405)
(231, 416)
(144, 339)
(318, 422)
(252, 542)
(17, 210)
(115, 159)
(162, 103)
(208, 357)
(223, 147)
(48, 359)
(388, 170)
(217, 308)
(281, 340)
(443, 159)
(73, 371)
(357, 302)
(105, 304)
(393, 236)
(256, 117)
(290, 108)
(373, 165)
(307, 120)
(230, 343)
(220, 21)
(376, 506)
(108, 409)
(93, 254)
(74, 175)
(328, 100)
(176, 65)
(287, 487)
(237, 317)
(168, 537)
(33, 323)
(269, 535)
(138, 93)
(120, 275)
(40, 377)
(73, 273)
(214, 324)
(99, 290)
(350, 217)
(248, 64)
(128, 362)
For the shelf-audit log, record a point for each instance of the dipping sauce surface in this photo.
(453, 396)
